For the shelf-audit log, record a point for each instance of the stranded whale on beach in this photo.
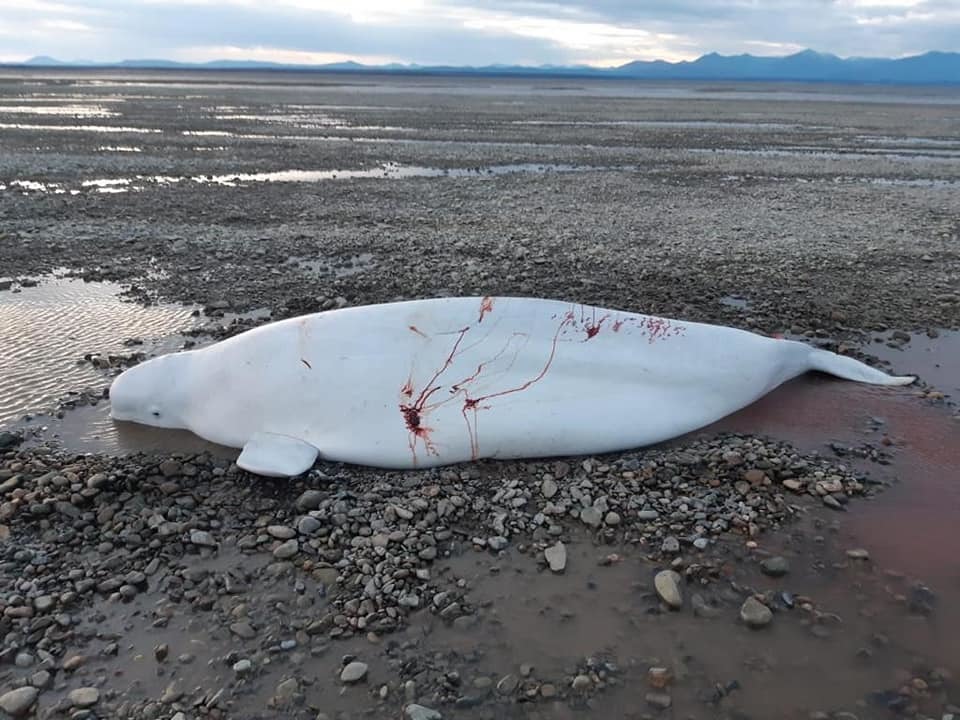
(431, 382)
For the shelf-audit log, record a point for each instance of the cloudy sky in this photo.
(470, 32)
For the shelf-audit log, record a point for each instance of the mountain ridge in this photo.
(933, 67)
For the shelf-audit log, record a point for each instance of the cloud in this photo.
(472, 32)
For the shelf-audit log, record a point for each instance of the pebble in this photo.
(242, 667)
(202, 538)
(286, 550)
(858, 554)
(17, 703)
(667, 585)
(670, 545)
(754, 613)
(310, 500)
(497, 543)
(556, 556)
(243, 630)
(281, 532)
(548, 488)
(354, 672)
(659, 700)
(84, 697)
(421, 712)
(776, 566)
(591, 516)
(581, 683)
(507, 684)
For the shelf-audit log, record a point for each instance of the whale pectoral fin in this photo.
(273, 455)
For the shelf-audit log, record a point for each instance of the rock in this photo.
(701, 608)
(659, 677)
(310, 500)
(354, 672)
(202, 538)
(591, 516)
(548, 488)
(670, 546)
(667, 584)
(17, 703)
(84, 697)
(858, 554)
(776, 566)
(170, 468)
(243, 630)
(242, 667)
(421, 712)
(281, 532)
(308, 525)
(9, 440)
(556, 556)
(754, 613)
(285, 691)
(41, 679)
(497, 543)
(508, 684)
(612, 518)
(581, 683)
(659, 700)
(287, 550)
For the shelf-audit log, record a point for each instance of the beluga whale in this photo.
(424, 383)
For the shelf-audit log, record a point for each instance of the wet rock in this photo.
(581, 683)
(556, 556)
(591, 516)
(243, 630)
(670, 546)
(17, 703)
(84, 697)
(776, 566)
(858, 554)
(754, 613)
(281, 532)
(287, 550)
(285, 691)
(202, 538)
(659, 700)
(508, 684)
(310, 500)
(242, 667)
(421, 712)
(9, 440)
(667, 585)
(354, 672)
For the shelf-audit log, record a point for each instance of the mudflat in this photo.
(796, 560)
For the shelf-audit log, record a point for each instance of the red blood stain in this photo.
(617, 324)
(414, 328)
(592, 327)
(486, 305)
(407, 388)
(306, 363)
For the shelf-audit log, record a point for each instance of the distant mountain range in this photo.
(808, 65)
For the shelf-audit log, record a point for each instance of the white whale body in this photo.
(431, 382)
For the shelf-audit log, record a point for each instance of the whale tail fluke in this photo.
(850, 369)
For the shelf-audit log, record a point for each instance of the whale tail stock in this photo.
(850, 369)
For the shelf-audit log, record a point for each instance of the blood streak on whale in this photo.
(486, 305)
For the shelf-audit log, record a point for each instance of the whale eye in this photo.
(156, 413)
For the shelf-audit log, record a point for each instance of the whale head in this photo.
(152, 393)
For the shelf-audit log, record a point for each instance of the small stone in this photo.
(287, 550)
(548, 690)
(161, 651)
(308, 525)
(667, 584)
(776, 566)
(754, 613)
(17, 703)
(243, 630)
(41, 679)
(242, 667)
(556, 556)
(421, 712)
(73, 662)
(507, 684)
(858, 554)
(84, 697)
(581, 683)
(354, 672)
(548, 488)
(659, 677)
(497, 543)
(202, 538)
(612, 518)
(286, 690)
(670, 546)
(591, 516)
(310, 500)
(23, 659)
(281, 532)
(659, 700)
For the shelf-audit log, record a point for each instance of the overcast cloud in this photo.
(470, 32)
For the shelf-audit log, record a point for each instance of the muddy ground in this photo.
(166, 584)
